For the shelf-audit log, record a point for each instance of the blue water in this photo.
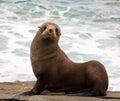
(90, 30)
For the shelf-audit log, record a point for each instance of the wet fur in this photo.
(57, 73)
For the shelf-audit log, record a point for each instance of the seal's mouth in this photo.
(49, 31)
(49, 34)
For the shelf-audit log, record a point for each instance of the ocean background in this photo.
(90, 31)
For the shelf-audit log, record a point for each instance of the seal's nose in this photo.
(50, 30)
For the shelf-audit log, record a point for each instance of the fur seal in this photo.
(56, 72)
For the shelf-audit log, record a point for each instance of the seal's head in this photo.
(49, 31)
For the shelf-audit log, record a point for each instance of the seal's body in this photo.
(56, 72)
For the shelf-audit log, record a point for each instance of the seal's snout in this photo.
(50, 31)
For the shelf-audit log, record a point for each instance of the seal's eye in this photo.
(44, 27)
(57, 31)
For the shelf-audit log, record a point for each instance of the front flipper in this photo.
(17, 96)
(38, 88)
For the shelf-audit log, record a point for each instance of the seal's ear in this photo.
(59, 33)
(39, 27)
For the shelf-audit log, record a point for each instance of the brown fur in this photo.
(56, 72)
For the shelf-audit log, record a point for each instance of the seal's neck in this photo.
(48, 47)
(44, 49)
